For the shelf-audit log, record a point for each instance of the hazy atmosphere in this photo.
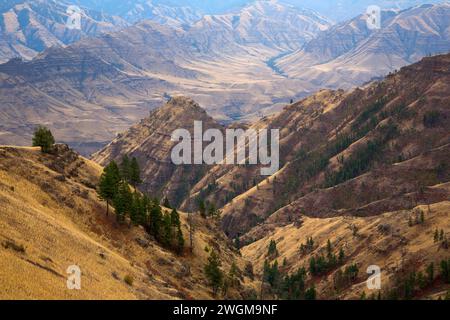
(258, 153)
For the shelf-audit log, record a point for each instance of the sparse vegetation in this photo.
(416, 218)
(344, 278)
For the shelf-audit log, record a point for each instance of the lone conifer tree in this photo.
(180, 241)
(154, 226)
(43, 138)
(109, 184)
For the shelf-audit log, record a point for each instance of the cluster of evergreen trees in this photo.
(408, 285)
(362, 158)
(217, 279)
(272, 251)
(320, 265)
(344, 278)
(207, 209)
(285, 286)
(114, 188)
(307, 247)
(419, 218)
(439, 236)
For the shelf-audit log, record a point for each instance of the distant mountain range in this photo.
(116, 78)
(349, 53)
(29, 27)
(239, 66)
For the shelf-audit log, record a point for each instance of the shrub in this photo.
(432, 119)
(128, 280)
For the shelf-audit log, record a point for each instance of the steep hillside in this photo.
(366, 169)
(28, 27)
(342, 153)
(263, 23)
(356, 156)
(51, 218)
(388, 240)
(150, 142)
(350, 54)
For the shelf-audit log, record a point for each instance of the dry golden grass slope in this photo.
(51, 218)
(386, 240)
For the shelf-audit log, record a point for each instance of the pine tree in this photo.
(213, 272)
(211, 210)
(430, 273)
(135, 173)
(310, 294)
(329, 248)
(155, 223)
(191, 232)
(201, 207)
(445, 270)
(43, 138)
(109, 184)
(436, 235)
(122, 201)
(180, 241)
(167, 234)
(312, 266)
(166, 203)
(145, 209)
(272, 250)
(125, 168)
(271, 273)
(136, 209)
(341, 256)
(175, 218)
